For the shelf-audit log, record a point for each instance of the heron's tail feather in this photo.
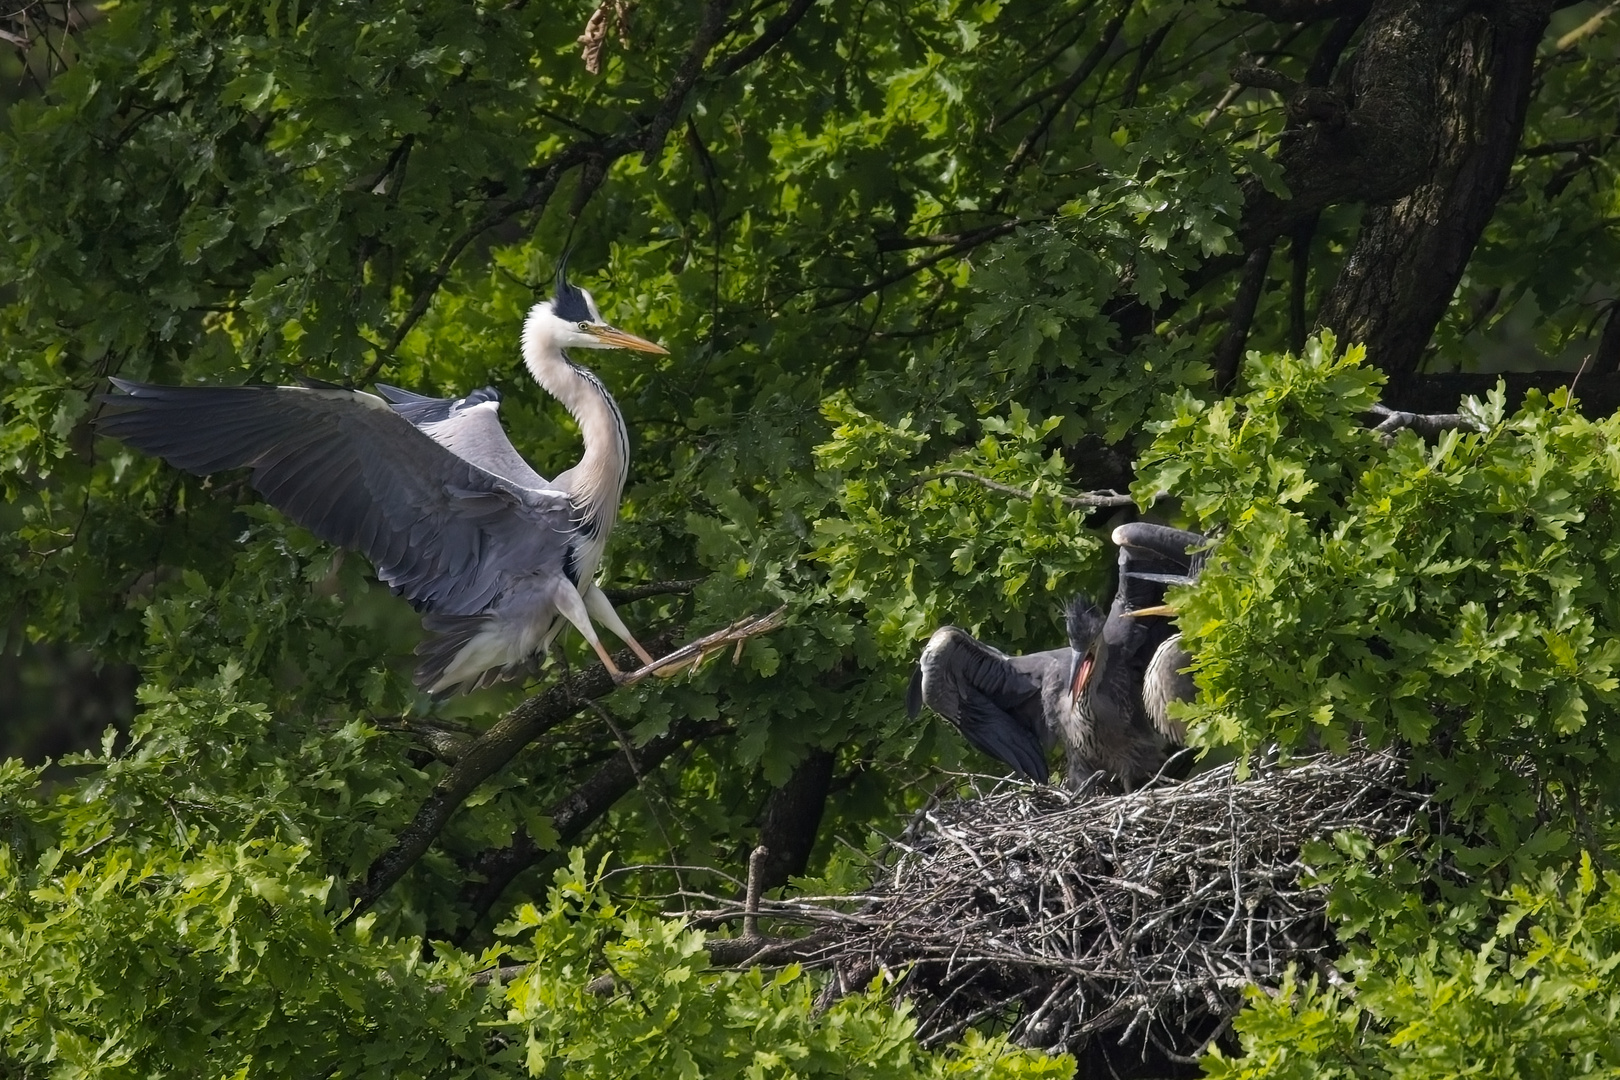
(462, 653)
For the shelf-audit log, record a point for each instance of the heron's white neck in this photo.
(597, 482)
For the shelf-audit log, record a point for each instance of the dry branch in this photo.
(694, 654)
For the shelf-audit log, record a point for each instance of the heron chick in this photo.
(431, 490)
(1106, 697)
(1129, 667)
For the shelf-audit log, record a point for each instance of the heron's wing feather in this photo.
(991, 728)
(468, 427)
(993, 699)
(914, 693)
(341, 463)
(1152, 557)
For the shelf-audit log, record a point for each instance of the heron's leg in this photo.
(596, 602)
(573, 609)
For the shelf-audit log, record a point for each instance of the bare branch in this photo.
(1089, 500)
(480, 760)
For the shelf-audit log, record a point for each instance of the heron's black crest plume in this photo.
(572, 303)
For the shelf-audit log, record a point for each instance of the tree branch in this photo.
(1599, 394)
(571, 816)
(1304, 10)
(1477, 69)
(968, 241)
(792, 818)
(1068, 86)
(480, 760)
(1606, 357)
(1299, 251)
(708, 35)
(1229, 352)
(630, 593)
(1427, 425)
(774, 31)
(1090, 499)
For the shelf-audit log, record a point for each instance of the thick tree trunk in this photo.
(793, 817)
(1411, 253)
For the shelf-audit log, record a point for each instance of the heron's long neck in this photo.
(597, 482)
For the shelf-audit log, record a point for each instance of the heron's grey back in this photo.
(469, 427)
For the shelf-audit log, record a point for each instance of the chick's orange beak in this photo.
(1080, 675)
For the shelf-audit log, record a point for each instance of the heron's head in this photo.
(570, 320)
(1084, 622)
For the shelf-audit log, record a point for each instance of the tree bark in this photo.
(1470, 73)
(793, 817)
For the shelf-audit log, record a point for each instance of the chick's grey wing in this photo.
(992, 729)
(469, 427)
(991, 698)
(439, 530)
(1153, 557)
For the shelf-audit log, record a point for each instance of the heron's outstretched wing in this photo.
(469, 427)
(1152, 557)
(994, 700)
(441, 531)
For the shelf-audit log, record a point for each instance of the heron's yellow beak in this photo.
(1158, 609)
(613, 338)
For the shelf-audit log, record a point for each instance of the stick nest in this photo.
(1067, 918)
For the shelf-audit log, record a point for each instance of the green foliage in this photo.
(198, 939)
(664, 1016)
(892, 263)
(1527, 991)
(1457, 596)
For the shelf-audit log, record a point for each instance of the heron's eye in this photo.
(584, 326)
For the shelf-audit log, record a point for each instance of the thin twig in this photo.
(1089, 500)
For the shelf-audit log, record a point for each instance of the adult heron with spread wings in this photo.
(1105, 697)
(431, 490)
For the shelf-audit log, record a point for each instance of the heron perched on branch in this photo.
(1106, 697)
(431, 490)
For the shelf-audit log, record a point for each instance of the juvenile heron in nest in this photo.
(1129, 667)
(431, 490)
(1106, 697)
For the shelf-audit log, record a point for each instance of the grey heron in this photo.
(1129, 667)
(1105, 697)
(431, 490)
